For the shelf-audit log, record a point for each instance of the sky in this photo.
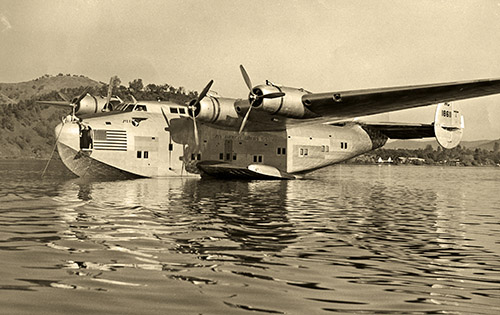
(320, 45)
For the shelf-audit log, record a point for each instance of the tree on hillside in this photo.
(136, 85)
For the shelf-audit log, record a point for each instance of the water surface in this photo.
(347, 239)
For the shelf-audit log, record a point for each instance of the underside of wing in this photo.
(348, 104)
(403, 131)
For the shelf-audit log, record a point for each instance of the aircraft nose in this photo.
(68, 134)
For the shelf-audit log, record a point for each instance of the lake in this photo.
(360, 239)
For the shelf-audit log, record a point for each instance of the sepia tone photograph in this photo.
(249, 157)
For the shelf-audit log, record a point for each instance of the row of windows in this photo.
(196, 157)
(281, 151)
(141, 154)
(177, 110)
(258, 158)
(343, 145)
(228, 156)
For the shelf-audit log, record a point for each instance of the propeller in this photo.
(255, 97)
(67, 101)
(76, 101)
(64, 96)
(108, 97)
(193, 107)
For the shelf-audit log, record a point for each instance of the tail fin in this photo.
(448, 125)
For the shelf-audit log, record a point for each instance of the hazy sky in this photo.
(319, 45)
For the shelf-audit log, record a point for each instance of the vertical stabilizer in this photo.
(448, 125)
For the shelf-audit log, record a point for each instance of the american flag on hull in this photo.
(115, 140)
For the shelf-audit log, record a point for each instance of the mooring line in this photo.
(53, 149)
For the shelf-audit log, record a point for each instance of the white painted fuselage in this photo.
(157, 140)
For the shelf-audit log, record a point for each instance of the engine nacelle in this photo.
(87, 105)
(217, 110)
(90, 104)
(289, 105)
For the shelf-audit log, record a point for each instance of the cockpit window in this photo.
(182, 110)
(129, 108)
(120, 107)
(141, 108)
(173, 110)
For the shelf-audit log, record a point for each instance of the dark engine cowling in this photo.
(290, 105)
(216, 110)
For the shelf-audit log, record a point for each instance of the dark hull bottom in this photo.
(82, 165)
(228, 171)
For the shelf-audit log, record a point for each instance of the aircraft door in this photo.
(228, 150)
(86, 141)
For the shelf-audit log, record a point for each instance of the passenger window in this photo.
(146, 154)
(139, 154)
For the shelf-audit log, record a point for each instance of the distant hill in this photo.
(489, 146)
(26, 128)
(13, 93)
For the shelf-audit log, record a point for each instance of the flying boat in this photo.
(277, 132)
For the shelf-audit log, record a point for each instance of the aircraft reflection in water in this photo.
(165, 207)
(277, 133)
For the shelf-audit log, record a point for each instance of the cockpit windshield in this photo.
(141, 108)
(129, 108)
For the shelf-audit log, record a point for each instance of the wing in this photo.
(348, 104)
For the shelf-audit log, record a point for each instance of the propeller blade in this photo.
(205, 91)
(110, 90)
(246, 77)
(64, 97)
(243, 123)
(82, 96)
(56, 103)
(196, 138)
(193, 110)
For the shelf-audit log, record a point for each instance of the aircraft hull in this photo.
(83, 165)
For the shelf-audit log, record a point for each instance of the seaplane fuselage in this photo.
(156, 139)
